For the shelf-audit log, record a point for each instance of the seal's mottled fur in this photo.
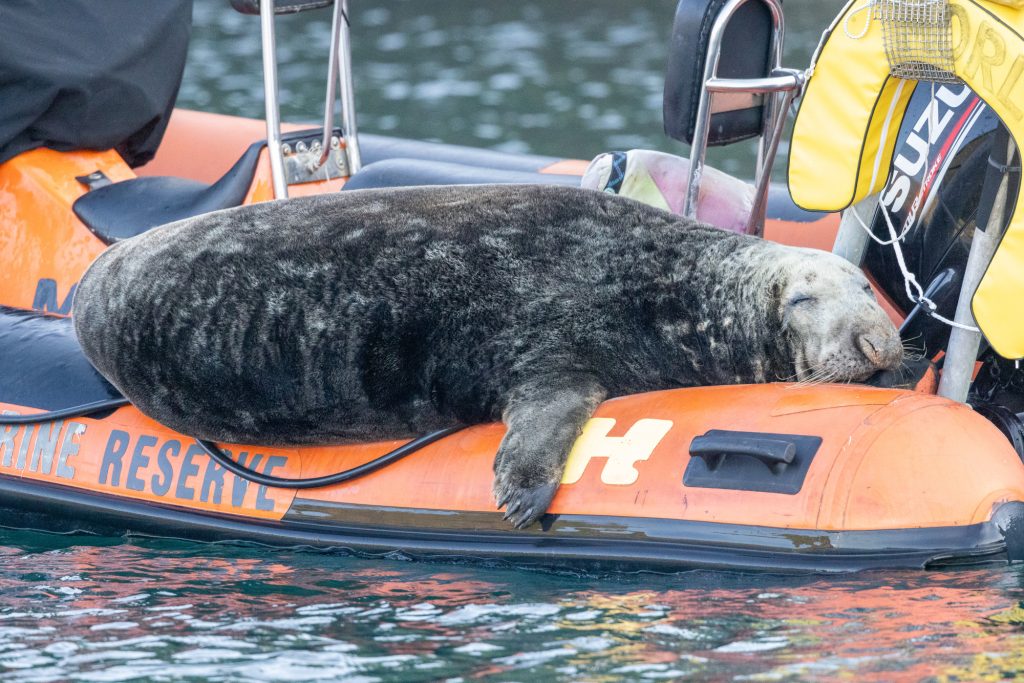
(389, 313)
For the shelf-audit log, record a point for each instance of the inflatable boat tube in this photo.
(667, 480)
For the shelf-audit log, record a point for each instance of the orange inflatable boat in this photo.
(775, 476)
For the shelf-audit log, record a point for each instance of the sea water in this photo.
(85, 609)
(570, 78)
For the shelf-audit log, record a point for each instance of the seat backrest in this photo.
(745, 54)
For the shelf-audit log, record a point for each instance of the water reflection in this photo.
(174, 611)
(561, 78)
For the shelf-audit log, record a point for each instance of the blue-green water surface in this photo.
(168, 611)
(569, 78)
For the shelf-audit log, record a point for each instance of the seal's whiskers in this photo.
(821, 374)
(789, 378)
(912, 353)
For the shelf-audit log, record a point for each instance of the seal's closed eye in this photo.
(802, 299)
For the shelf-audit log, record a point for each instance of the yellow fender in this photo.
(845, 131)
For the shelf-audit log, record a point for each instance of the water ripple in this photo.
(558, 78)
(172, 611)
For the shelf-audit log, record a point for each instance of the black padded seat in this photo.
(42, 364)
(129, 208)
(745, 54)
(412, 172)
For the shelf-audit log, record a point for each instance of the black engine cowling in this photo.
(933, 194)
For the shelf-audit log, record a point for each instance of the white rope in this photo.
(913, 288)
(909, 279)
(851, 15)
(910, 284)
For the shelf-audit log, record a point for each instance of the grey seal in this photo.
(380, 314)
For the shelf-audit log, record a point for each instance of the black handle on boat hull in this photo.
(775, 453)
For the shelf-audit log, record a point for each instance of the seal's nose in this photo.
(883, 352)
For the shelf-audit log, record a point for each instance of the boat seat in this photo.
(745, 54)
(129, 208)
(411, 172)
(42, 364)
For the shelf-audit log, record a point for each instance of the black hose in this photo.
(73, 411)
(220, 457)
(230, 465)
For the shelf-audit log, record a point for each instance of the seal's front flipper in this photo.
(544, 417)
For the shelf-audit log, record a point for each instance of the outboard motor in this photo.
(927, 176)
(934, 195)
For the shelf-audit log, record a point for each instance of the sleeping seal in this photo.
(381, 314)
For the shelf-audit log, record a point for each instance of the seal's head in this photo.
(834, 326)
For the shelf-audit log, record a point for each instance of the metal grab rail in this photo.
(965, 339)
(272, 110)
(339, 76)
(340, 71)
(777, 91)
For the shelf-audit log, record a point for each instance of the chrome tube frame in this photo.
(963, 346)
(348, 93)
(339, 76)
(332, 80)
(852, 240)
(272, 107)
(785, 84)
(777, 90)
